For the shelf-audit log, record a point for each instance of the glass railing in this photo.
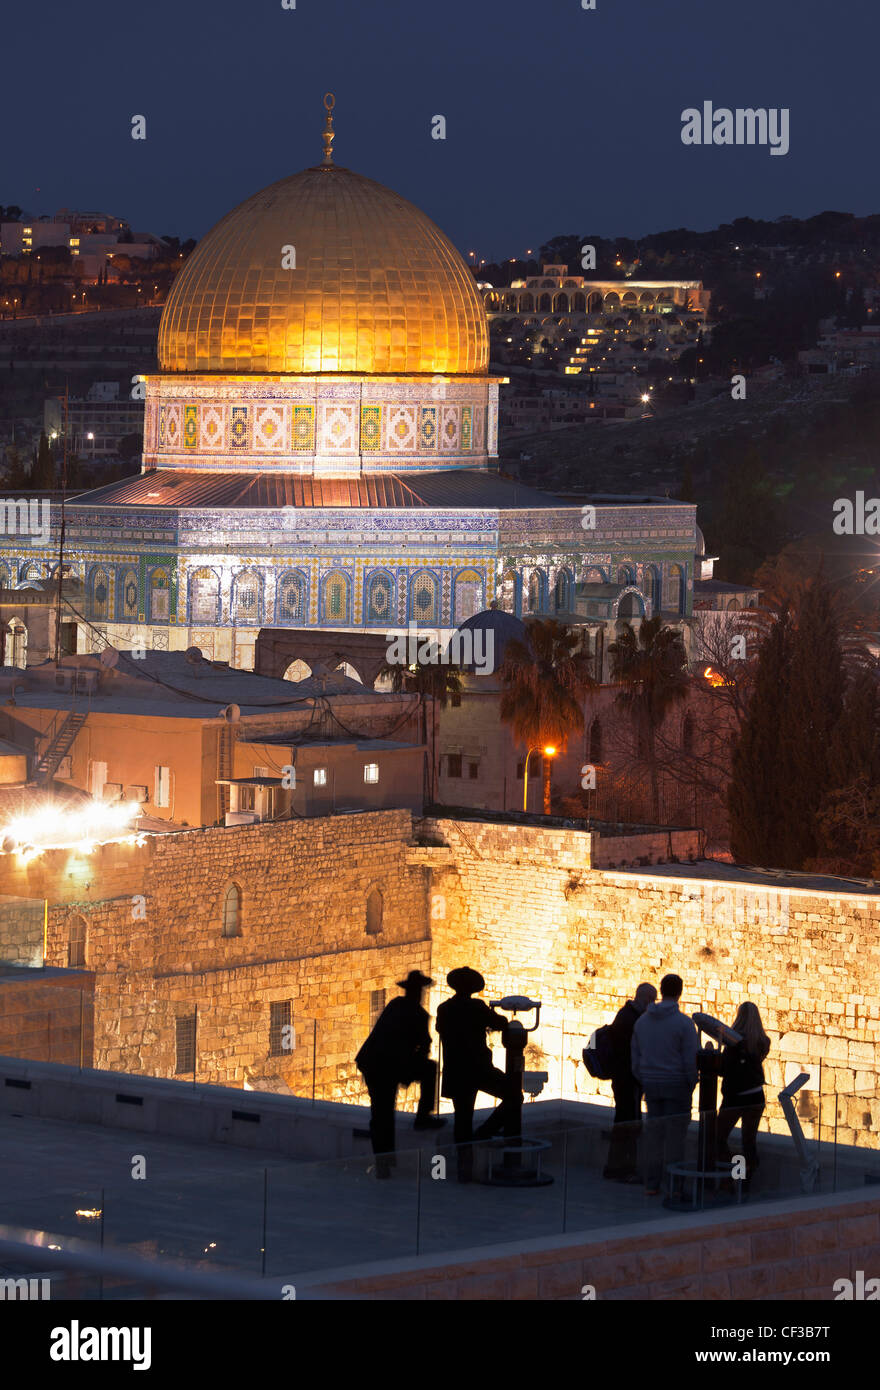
(237, 1212)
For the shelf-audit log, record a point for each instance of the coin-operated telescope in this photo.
(521, 1161)
(708, 1064)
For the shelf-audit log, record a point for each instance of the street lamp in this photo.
(548, 751)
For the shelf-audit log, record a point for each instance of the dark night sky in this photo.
(558, 119)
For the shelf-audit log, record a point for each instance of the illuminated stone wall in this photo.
(521, 903)
(524, 906)
(155, 943)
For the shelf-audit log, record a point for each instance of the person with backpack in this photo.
(742, 1086)
(664, 1061)
(627, 1091)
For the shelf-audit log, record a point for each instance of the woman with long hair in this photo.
(742, 1085)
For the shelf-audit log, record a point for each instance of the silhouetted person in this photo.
(396, 1054)
(742, 1086)
(664, 1061)
(627, 1091)
(462, 1023)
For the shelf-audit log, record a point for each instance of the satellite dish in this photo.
(109, 657)
(194, 655)
(231, 713)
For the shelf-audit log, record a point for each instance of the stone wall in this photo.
(526, 908)
(155, 944)
(522, 903)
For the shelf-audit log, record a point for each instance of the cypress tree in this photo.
(758, 794)
(813, 714)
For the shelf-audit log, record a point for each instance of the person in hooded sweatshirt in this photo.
(664, 1062)
(627, 1092)
(742, 1085)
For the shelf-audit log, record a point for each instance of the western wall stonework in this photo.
(524, 905)
(521, 903)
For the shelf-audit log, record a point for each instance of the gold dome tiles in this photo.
(377, 288)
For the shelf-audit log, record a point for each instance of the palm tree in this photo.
(546, 680)
(434, 681)
(651, 669)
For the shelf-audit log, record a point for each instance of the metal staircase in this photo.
(60, 746)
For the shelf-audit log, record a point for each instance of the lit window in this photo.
(162, 795)
(319, 777)
(371, 772)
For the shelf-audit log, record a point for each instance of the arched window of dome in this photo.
(652, 588)
(128, 595)
(77, 941)
(560, 304)
(537, 591)
(467, 595)
(594, 302)
(99, 594)
(4, 576)
(380, 597)
(675, 589)
(596, 741)
(247, 598)
(579, 303)
(544, 304)
(629, 297)
(562, 594)
(511, 592)
(594, 574)
(297, 671)
(291, 598)
(733, 606)
(626, 574)
(232, 910)
(375, 910)
(160, 596)
(204, 597)
(612, 299)
(336, 598)
(424, 600)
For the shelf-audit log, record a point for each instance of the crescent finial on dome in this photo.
(329, 135)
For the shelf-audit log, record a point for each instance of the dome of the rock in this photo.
(373, 287)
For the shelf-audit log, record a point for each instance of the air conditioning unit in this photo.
(64, 680)
(87, 682)
(112, 791)
(139, 794)
(242, 818)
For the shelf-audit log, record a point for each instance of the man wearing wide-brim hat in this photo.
(396, 1054)
(462, 1023)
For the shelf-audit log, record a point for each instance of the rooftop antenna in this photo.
(329, 135)
(66, 399)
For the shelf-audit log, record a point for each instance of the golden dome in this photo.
(377, 287)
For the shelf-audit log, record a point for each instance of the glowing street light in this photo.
(549, 751)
